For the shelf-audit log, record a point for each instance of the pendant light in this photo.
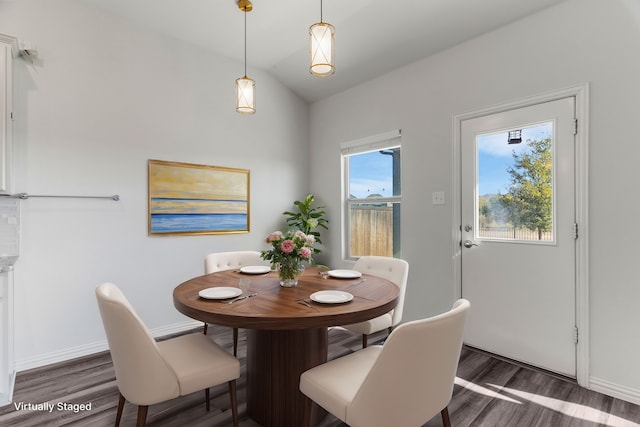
(245, 87)
(322, 49)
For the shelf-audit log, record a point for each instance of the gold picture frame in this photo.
(191, 199)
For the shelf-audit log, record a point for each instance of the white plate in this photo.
(345, 274)
(220, 292)
(255, 269)
(331, 297)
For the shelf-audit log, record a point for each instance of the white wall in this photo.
(102, 98)
(575, 42)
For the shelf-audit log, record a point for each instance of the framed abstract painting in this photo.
(190, 199)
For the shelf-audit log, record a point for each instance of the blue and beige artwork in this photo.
(195, 199)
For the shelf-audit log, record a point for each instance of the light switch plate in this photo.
(437, 198)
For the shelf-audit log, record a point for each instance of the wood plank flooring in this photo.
(489, 392)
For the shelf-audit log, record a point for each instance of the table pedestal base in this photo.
(276, 400)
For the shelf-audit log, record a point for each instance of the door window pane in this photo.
(515, 184)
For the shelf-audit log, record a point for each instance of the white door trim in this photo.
(581, 94)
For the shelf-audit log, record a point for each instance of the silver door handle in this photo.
(469, 243)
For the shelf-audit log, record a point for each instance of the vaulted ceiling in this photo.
(372, 36)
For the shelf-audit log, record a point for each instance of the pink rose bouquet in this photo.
(288, 251)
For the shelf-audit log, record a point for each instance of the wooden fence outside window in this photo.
(371, 230)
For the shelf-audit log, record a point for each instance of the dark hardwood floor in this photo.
(489, 392)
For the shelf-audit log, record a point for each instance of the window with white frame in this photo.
(372, 196)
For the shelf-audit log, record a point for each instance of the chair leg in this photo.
(234, 402)
(364, 341)
(121, 401)
(446, 422)
(235, 341)
(142, 415)
(206, 327)
(306, 419)
(206, 399)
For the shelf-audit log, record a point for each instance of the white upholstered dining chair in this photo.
(150, 372)
(218, 261)
(393, 269)
(404, 382)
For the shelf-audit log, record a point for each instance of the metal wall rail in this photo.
(25, 196)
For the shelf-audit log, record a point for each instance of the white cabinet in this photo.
(7, 365)
(8, 48)
(9, 219)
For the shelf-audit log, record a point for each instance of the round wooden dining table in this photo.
(287, 331)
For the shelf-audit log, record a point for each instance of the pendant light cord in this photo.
(321, 11)
(245, 42)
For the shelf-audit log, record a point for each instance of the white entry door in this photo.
(518, 233)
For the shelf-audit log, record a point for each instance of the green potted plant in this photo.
(308, 218)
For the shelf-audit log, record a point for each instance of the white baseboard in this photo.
(615, 390)
(6, 398)
(96, 347)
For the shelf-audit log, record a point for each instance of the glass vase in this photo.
(289, 273)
